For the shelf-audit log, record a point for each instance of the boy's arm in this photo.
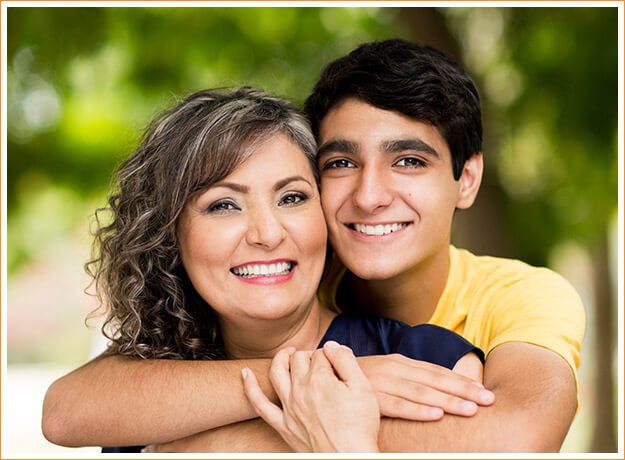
(244, 437)
(118, 401)
(535, 403)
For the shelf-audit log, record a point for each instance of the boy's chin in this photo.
(375, 271)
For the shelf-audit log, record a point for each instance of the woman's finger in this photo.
(344, 362)
(279, 373)
(300, 365)
(265, 409)
(320, 365)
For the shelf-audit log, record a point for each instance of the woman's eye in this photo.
(222, 207)
(292, 199)
(339, 164)
(410, 162)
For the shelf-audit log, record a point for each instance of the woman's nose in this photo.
(265, 229)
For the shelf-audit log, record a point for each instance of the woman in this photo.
(216, 248)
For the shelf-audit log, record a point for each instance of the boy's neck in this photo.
(410, 297)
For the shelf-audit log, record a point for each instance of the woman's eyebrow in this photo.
(338, 145)
(287, 180)
(245, 189)
(416, 144)
(233, 186)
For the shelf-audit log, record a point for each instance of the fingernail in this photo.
(331, 344)
(469, 406)
(244, 372)
(486, 396)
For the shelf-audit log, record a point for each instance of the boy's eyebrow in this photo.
(393, 146)
(338, 145)
(415, 144)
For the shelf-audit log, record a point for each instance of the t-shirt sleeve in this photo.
(434, 344)
(542, 309)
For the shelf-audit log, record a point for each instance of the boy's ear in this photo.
(470, 181)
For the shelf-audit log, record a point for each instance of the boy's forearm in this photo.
(117, 401)
(534, 406)
(243, 437)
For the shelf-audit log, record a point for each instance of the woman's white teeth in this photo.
(378, 230)
(248, 271)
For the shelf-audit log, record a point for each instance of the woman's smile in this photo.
(265, 272)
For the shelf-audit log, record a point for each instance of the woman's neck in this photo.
(411, 296)
(263, 338)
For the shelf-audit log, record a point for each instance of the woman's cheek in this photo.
(309, 231)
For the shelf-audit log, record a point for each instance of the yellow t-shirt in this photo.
(490, 301)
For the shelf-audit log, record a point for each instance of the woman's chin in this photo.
(274, 313)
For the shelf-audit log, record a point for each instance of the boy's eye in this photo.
(222, 207)
(292, 199)
(339, 164)
(410, 162)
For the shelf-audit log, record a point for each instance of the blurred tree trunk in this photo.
(603, 437)
(428, 26)
(478, 229)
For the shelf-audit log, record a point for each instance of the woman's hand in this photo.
(328, 405)
(418, 390)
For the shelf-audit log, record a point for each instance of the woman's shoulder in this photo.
(377, 335)
(365, 334)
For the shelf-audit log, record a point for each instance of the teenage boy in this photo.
(400, 136)
(400, 141)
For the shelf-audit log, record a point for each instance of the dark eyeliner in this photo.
(301, 198)
(215, 207)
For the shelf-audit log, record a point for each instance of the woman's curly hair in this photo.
(153, 311)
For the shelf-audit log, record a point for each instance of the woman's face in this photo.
(254, 244)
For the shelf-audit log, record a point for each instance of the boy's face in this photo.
(388, 191)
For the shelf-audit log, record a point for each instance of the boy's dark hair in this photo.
(415, 80)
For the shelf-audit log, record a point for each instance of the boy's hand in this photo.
(418, 390)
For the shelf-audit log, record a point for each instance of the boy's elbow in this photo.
(535, 431)
(530, 441)
(55, 420)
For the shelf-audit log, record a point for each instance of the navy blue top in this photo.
(374, 335)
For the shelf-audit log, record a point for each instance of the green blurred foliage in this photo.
(571, 92)
(550, 81)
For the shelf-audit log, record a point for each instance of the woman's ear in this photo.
(470, 181)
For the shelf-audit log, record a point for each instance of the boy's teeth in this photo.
(378, 230)
(249, 271)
